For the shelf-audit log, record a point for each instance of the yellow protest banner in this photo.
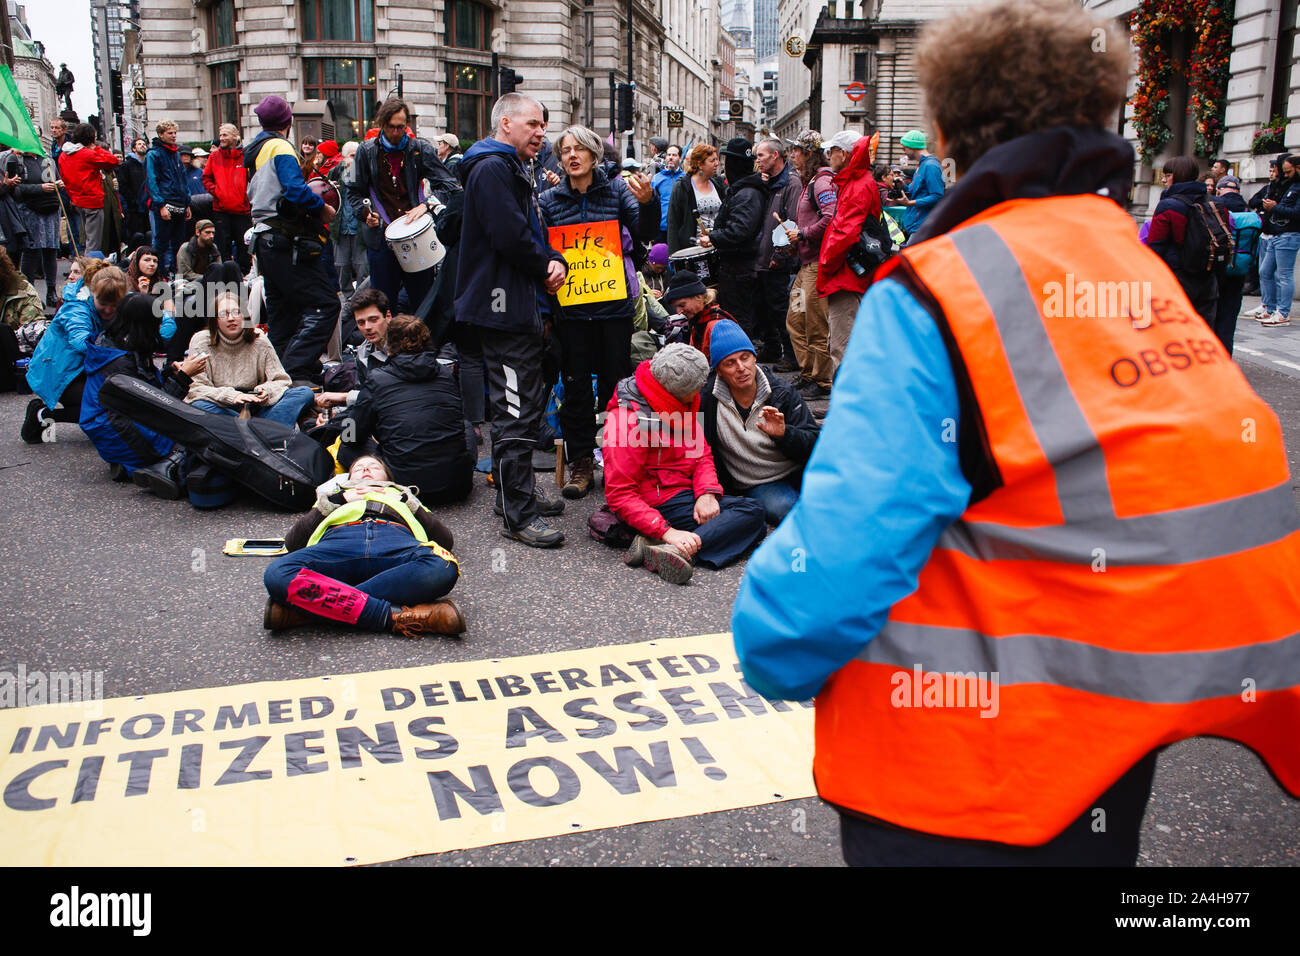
(594, 253)
(362, 768)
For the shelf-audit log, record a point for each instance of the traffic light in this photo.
(625, 91)
(509, 80)
(115, 92)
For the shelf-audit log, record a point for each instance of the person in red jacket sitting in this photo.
(857, 197)
(81, 164)
(659, 471)
(226, 178)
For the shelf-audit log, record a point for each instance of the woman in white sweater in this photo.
(242, 369)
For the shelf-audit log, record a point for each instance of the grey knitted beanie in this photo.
(680, 368)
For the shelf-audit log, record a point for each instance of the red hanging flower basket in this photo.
(1152, 25)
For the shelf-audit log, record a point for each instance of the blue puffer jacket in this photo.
(605, 199)
(61, 354)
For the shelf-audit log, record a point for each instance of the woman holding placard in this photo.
(593, 222)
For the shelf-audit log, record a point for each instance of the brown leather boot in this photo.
(441, 617)
(281, 617)
(582, 475)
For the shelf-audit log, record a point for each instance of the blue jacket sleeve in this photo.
(294, 186)
(168, 327)
(151, 180)
(881, 486)
(80, 328)
(928, 189)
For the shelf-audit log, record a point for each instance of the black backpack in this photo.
(1207, 241)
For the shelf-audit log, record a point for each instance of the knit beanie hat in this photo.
(328, 149)
(913, 139)
(683, 285)
(659, 254)
(727, 338)
(273, 113)
(680, 368)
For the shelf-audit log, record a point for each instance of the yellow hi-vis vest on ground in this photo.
(356, 510)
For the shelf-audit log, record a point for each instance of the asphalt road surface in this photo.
(103, 576)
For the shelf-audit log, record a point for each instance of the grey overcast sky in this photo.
(64, 27)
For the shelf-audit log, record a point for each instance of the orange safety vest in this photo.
(1131, 582)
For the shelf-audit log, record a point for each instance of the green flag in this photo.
(16, 127)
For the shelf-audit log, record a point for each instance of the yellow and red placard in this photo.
(594, 252)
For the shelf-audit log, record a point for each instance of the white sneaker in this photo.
(1259, 312)
(1277, 318)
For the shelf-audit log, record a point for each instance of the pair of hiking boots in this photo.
(663, 559)
(439, 617)
(537, 533)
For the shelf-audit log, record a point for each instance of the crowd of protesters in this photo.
(403, 299)
(271, 264)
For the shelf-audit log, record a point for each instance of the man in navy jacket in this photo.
(506, 267)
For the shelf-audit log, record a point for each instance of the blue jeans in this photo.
(1277, 256)
(737, 528)
(379, 563)
(777, 497)
(286, 411)
(168, 234)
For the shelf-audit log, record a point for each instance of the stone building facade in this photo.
(205, 62)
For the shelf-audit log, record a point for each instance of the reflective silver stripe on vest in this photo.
(1163, 678)
(1167, 537)
(1063, 433)
(1092, 530)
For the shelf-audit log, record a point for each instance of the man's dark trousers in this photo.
(231, 227)
(517, 390)
(771, 304)
(302, 302)
(1231, 292)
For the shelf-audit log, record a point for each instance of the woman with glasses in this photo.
(242, 369)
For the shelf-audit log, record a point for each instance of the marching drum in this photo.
(416, 244)
(703, 262)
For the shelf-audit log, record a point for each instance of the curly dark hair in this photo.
(994, 73)
(407, 335)
(10, 278)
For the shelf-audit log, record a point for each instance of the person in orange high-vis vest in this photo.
(1049, 528)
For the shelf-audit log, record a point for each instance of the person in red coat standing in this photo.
(81, 164)
(857, 197)
(226, 178)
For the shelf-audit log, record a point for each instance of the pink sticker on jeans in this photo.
(326, 597)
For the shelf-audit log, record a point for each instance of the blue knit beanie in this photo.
(727, 338)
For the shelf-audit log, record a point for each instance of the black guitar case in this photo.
(282, 465)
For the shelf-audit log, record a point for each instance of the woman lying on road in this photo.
(368, 554)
